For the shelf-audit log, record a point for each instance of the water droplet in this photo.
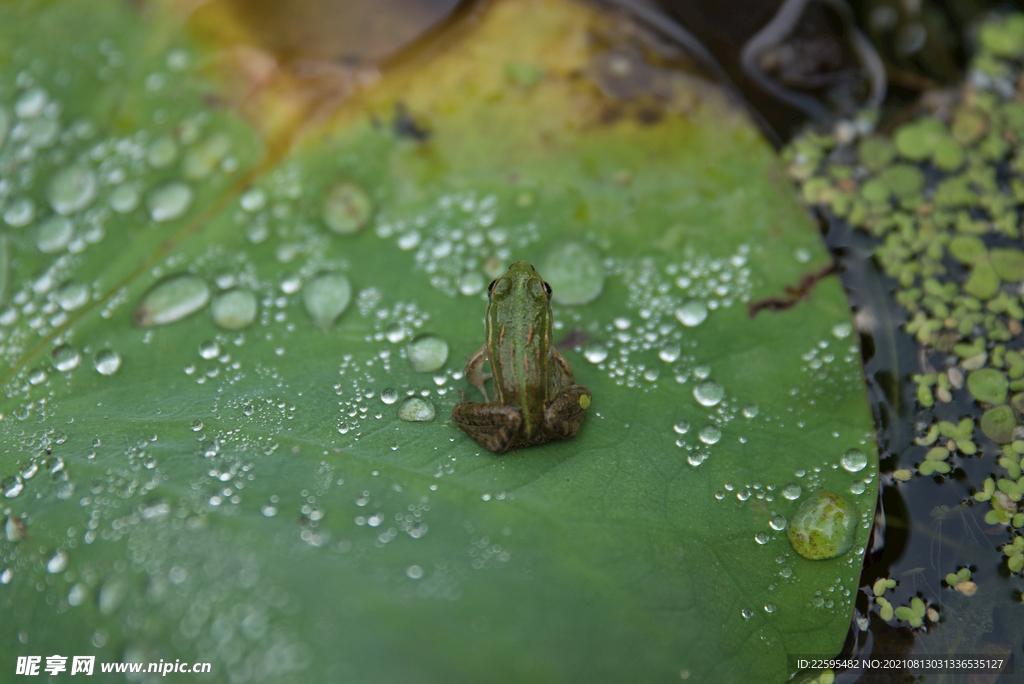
(823, 526)
(415, 409)
(777, 523)
(842, 330)
(762, 538)
(291, 283)
(769, 607)
(57, 563)
(696, 457)
(575, 273)
(710, 434)
(72, 189)
(201, 160)
(269, 511)
(427, 353)
(802, 254)
(858, 487)
(669, 352)
(750, 411)
(389, 395)
(20, 212)
(77, 595)
(124, 198)
(326, 297)
(471, 283)
(395, 333)
(171, 300)
(792, 491)
(37, 377)
(682, 427)
(209, 349)
(747, 613)
(72, 296)
(54, 234)
(234, 309)
(708, 393)
(346, 208)
(169, 201)
(31, 103)
(162, 152)
(854, 460)
(197, 425)
(12, 486)
(595, 352)
(253, 200)
(414, 572)
(107, 361)
(65, 358)
(692, 313)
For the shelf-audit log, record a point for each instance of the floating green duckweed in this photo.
(172, 300)
(235, 309)
(824, 526)
(988, 385)
(574, 272)
(326, 297)
(347, 208)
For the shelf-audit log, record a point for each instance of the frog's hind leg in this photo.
(565, 415)
(497, 427)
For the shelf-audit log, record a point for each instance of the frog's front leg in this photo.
(564, 416)
(475, 370)
(495, 426)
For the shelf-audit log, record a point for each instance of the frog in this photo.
(536, 396)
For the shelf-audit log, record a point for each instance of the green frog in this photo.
(536, 398)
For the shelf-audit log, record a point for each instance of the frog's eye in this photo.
(547, 288)
(491, 286)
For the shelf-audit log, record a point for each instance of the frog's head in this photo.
(520, 283)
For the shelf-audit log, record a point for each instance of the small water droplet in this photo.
(858, 487)
(72, 296)
(124, 198)
(702, 371)
(854, 460)
(57, 563)
(169, 201)
(395, 333)
(708, 393)
(389, 395)
(253, 200)
(235, 309)
(682, 427)
(162, 152)
(197, 425)
(72, 189)
(12, 486)
(326, 297)
(769, 608)
(415, 409)
(710, 434)
(792, 491)
(290, 283)
(750, 411)
(171, 300)
(37, 376)
(777, 523)
(669, 352)
(346, 208)
(595, 352)
(77, 595)
(107, 361)
(54, 234)
(842, 330)
(471, 283)
(747, 613)
(65, 358)
(20, 212)
(696, 457)
(201, 160)
(692, 313)
(427, 353)
(209, 349)
(414, 572)
(269, 511)
(762, 538)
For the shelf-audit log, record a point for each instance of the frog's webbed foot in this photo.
(494, 426)
(565, 415)
(475, 374)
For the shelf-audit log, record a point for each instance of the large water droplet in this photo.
(72, 296)
(124, 198)
(824, 526)
(234, 309)
(170, 201)
(72, 189)
(574, 272)
(107, 361)
(326, 297)
(692, 313)
(708, 393)
(171, 300)
(710, 434)
(162, 152)
(20, 212)
(416, 410)
(347, 208)
(57, 563)
(854, 460)
(54, 234)
(427, 353)
(65, 358)
(12, 486)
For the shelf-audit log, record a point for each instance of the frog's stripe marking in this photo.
(529, 334)
(501, 336)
